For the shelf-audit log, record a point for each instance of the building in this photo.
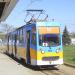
(6, 6)
(72, 41)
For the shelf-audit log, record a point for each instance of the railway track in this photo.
(57, 71)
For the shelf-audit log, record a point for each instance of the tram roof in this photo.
(44, 23)
(39, 24)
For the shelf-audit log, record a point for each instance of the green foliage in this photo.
(66, 37)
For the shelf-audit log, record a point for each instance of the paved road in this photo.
(8, 66)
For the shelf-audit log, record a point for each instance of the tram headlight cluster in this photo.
(58, 50)
(42, 51)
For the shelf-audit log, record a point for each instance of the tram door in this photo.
(28, 48)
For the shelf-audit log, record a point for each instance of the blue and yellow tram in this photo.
(37, 43)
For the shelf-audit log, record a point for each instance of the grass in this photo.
(69, 54)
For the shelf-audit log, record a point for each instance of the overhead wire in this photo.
(31, 2)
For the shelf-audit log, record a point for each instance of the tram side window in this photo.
(18, 38)
(21, 39)
(10, 40)
(34, 38)
(33, 35)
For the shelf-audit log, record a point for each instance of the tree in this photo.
(5, 28)
(66, 37)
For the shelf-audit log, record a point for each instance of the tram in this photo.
(38, 43)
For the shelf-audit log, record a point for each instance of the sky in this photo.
(62, 11)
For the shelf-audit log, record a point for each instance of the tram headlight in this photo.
(42, 51)
(57, 50)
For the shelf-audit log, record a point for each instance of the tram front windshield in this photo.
(49, 39)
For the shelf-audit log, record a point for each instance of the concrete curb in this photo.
(70, 65)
